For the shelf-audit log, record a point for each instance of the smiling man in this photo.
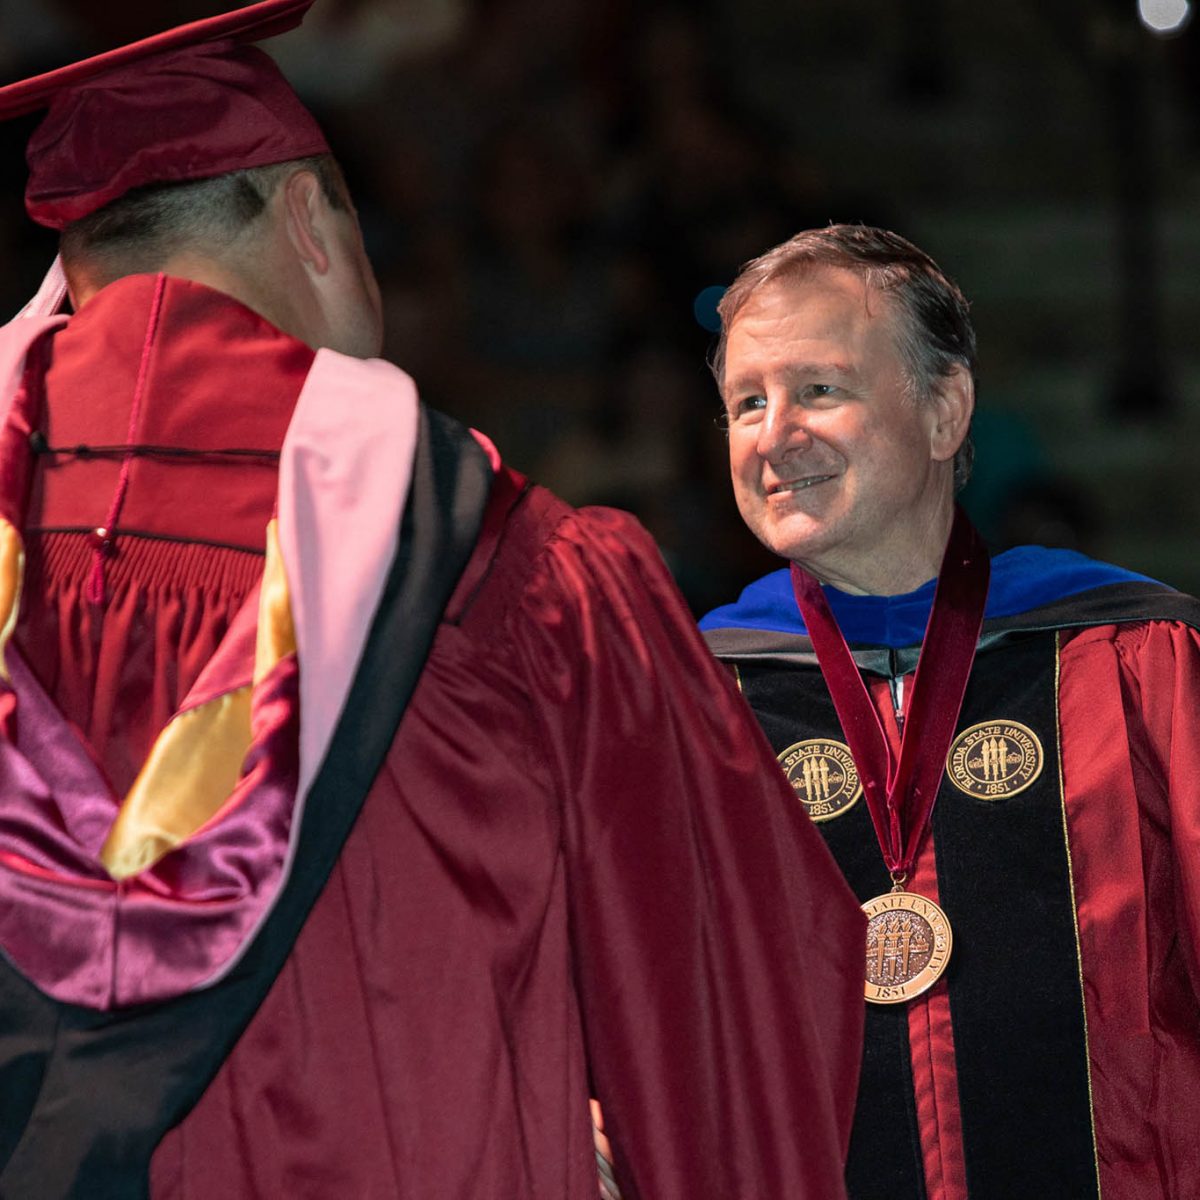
(812, 366)
(1020, 817)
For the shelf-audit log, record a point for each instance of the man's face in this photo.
(833, 465)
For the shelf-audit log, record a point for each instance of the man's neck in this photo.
(894, 568)
(230, 277)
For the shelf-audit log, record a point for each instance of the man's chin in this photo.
(796, 541)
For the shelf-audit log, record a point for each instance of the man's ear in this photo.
(953, 401)
(304, 211)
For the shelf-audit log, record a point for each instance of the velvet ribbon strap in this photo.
(900, 791)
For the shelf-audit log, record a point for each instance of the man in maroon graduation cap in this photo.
(352, 868)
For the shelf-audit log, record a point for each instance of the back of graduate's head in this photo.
(188, 153)
(283, 239)
(222, 217)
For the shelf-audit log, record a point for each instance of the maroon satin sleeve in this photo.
(1130, 737)
(717, 950)
(1166, 666)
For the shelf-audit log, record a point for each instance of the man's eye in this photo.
(748, 405)
(817, 390)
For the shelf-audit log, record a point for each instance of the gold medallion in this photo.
(995, 760)
(823, 775)
(908, 946)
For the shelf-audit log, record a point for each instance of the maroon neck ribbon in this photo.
(901, 791)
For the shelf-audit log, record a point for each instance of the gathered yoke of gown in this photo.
(205, 375)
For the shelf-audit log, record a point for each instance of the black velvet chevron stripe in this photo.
(1015, 997)
(85, 1097)
(1115, 602)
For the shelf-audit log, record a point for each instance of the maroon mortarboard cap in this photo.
(190, 103)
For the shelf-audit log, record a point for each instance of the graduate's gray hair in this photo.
(143, 228)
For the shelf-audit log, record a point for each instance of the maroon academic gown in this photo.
(578, 872)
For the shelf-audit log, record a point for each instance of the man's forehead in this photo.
(804, 285)
(824, 306)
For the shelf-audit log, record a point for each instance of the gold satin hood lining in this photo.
(196, 761)
(12, 570)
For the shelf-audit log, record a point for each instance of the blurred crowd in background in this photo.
(554, 191)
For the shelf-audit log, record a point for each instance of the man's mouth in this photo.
(797, 485)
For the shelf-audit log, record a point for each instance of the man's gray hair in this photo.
(143, 228)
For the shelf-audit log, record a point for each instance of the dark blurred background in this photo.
(553, 192)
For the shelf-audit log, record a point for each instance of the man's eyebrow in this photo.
(823, 367)
(742, 384)
(751, 382)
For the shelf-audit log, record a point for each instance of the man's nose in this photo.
(783, 429)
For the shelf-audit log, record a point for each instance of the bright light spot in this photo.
(1164, 16)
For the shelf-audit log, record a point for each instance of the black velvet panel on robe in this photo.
(1013, 979)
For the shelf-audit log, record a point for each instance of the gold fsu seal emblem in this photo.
(994, 760)
(822, 773)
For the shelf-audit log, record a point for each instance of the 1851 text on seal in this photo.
(908, 946)
(823, 775)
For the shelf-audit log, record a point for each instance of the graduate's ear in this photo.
(305, 213)
(953, 402)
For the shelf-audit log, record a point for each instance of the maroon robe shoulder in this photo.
(577, 873)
